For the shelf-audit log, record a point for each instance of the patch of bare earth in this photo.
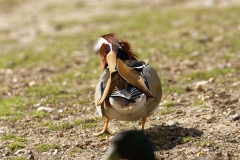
(215, 131)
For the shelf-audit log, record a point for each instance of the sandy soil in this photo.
(24, 20)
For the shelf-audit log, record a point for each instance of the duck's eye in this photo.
(108, 48)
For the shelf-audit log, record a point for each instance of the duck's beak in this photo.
(103, 64)
(112, 61)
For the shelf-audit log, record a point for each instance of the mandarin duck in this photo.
(131, 145)
(128, 89)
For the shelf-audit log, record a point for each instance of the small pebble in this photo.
(14, 80)
(173, 123)
(234, 117)
(236, 83)
(32, 83)
(158, 118)
(47, 109)
(211, 79)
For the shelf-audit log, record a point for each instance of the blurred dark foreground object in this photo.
(130, 145)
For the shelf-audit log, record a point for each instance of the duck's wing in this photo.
(131, 92)
(153, 81)
(102, 82)
(149, 75)
(126, 71)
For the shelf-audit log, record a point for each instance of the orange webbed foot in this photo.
(105, 128)
(104, 131)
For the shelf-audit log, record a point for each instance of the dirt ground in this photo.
(216, 135)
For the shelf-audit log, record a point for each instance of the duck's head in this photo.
(130, 145)
(111, 48)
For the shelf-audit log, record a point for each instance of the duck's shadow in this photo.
(167, 137)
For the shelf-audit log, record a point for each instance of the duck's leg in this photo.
(144, 119)
(105, 128)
